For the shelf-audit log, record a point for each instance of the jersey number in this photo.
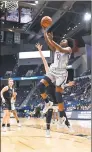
(58, 56)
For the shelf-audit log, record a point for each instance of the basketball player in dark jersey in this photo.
(51, 91)
(6, 95)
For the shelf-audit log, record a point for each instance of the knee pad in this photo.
(49, 116)
(41, 87)
(59, 97)
(47, 79)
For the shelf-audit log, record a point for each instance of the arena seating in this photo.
(20, 71)
(88, 72)
(75, 98)
(22, 93)
(11, 60)
(73, 60)
(23, 69)
(38, 70)
(79, 96)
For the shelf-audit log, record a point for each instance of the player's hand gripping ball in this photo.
(46, 22)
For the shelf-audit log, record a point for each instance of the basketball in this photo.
(46, 21)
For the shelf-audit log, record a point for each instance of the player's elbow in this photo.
(65, 50)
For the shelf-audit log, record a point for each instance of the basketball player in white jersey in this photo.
(57, 73)
(13, 110)
(51, 109)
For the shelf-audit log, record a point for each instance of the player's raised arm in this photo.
(67, 49)
(39, 47)
(62, 47)
(49, 37)
(46, 22)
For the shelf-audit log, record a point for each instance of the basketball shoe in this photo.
(4, 129)
(69, 127)
(47, 134)
(61, 122)
(18, 124)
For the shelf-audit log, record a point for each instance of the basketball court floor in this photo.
(31, 137)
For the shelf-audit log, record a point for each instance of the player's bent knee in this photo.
(41, 87)
(43, 83)
(46, 81)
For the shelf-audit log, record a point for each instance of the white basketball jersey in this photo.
(60, 60)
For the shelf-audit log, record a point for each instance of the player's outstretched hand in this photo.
(38, 46)
(71, 83)
(50, 35)
(3, 100)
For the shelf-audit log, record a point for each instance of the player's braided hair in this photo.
(70, 42)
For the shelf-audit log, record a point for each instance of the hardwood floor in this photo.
(31, 138)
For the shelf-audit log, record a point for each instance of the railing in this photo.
(15, 69)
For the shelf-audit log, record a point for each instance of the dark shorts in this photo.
(6, 105)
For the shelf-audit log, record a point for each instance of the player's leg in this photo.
(53, 116)
(48, 121)
(4, 120)
(8, 106)
(60, 82)
(56, 115)
(42, 86)
(60, 102)
(51, 92)
(16, 117)
(8, 118)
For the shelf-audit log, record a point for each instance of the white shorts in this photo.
(59, 77)
(12, 105)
